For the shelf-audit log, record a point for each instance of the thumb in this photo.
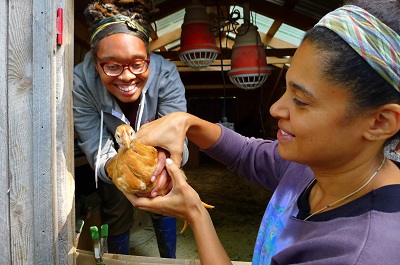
(174, 171)
(177, 159)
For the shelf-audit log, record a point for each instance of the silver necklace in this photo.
(347, 196)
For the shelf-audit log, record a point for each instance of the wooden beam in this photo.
(207, 69)
(274, 28)
(165, 39)
(192, 87)
(173, 55)
(153, 33)
(276, 43)
(86, 257)
(216, 65)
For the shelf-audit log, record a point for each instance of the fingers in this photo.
(162, 182)
(168, 187)
(135, 200)
(144, 203)
(160, 174)
(175, 172)
(160, 164)
(177, 158)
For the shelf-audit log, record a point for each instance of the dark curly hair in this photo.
(101, 9)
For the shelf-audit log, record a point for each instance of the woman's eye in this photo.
(136, 65)
(299, 102)
(112, 66)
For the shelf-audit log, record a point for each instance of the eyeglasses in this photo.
(136, 67)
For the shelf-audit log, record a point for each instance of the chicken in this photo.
(135, 164)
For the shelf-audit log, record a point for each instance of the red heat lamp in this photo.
(249, 68)
(198, 48)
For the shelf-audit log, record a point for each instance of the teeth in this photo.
(284, 133)
(127, 88)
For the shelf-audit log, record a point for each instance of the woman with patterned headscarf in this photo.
(121, 81)
(334, 166)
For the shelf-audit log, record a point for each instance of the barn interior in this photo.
(215, 94)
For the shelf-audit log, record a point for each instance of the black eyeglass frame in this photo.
(127, 65)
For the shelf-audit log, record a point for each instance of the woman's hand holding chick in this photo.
(182, 201)
(165, 134)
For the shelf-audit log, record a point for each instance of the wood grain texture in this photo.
(52, 135)
(19, 98)
(4, 148)
(37, 185)
(65, 184)
(86, 258)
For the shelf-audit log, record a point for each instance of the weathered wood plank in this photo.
(19, 100)
(44, 133)
(64, 174)
(87, 258)
(36, 181)
(4, 165)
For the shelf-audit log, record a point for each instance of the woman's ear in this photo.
(385, 123)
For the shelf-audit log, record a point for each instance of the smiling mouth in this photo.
(127, 88)
(285, 133)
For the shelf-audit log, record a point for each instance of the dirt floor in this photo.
(239, 207)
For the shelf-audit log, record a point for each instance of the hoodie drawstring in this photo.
(140, 114)
(99, 149)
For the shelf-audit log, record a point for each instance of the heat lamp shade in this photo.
(198, 48)
(249, 68)
(196, 36)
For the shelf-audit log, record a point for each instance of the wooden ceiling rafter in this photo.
(165, 39)
(280, 53)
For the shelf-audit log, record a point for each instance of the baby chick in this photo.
(135, 164)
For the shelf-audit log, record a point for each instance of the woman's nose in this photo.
(279, 109)
(126, 75)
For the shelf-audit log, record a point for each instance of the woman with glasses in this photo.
(120, 81)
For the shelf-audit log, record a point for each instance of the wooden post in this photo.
(36, 132)
(5, 232)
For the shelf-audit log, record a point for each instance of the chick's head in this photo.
(124, 135)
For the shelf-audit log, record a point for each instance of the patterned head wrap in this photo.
(378, 44)
(118, 24)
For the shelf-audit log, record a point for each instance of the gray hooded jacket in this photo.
(97, 113)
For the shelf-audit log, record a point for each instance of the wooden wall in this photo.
(36, 133)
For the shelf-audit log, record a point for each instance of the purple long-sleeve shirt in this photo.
(369, 237)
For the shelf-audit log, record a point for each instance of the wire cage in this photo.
(249, 81)
(198, 58)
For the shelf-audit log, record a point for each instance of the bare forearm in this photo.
(201, 132)
(209, 246)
